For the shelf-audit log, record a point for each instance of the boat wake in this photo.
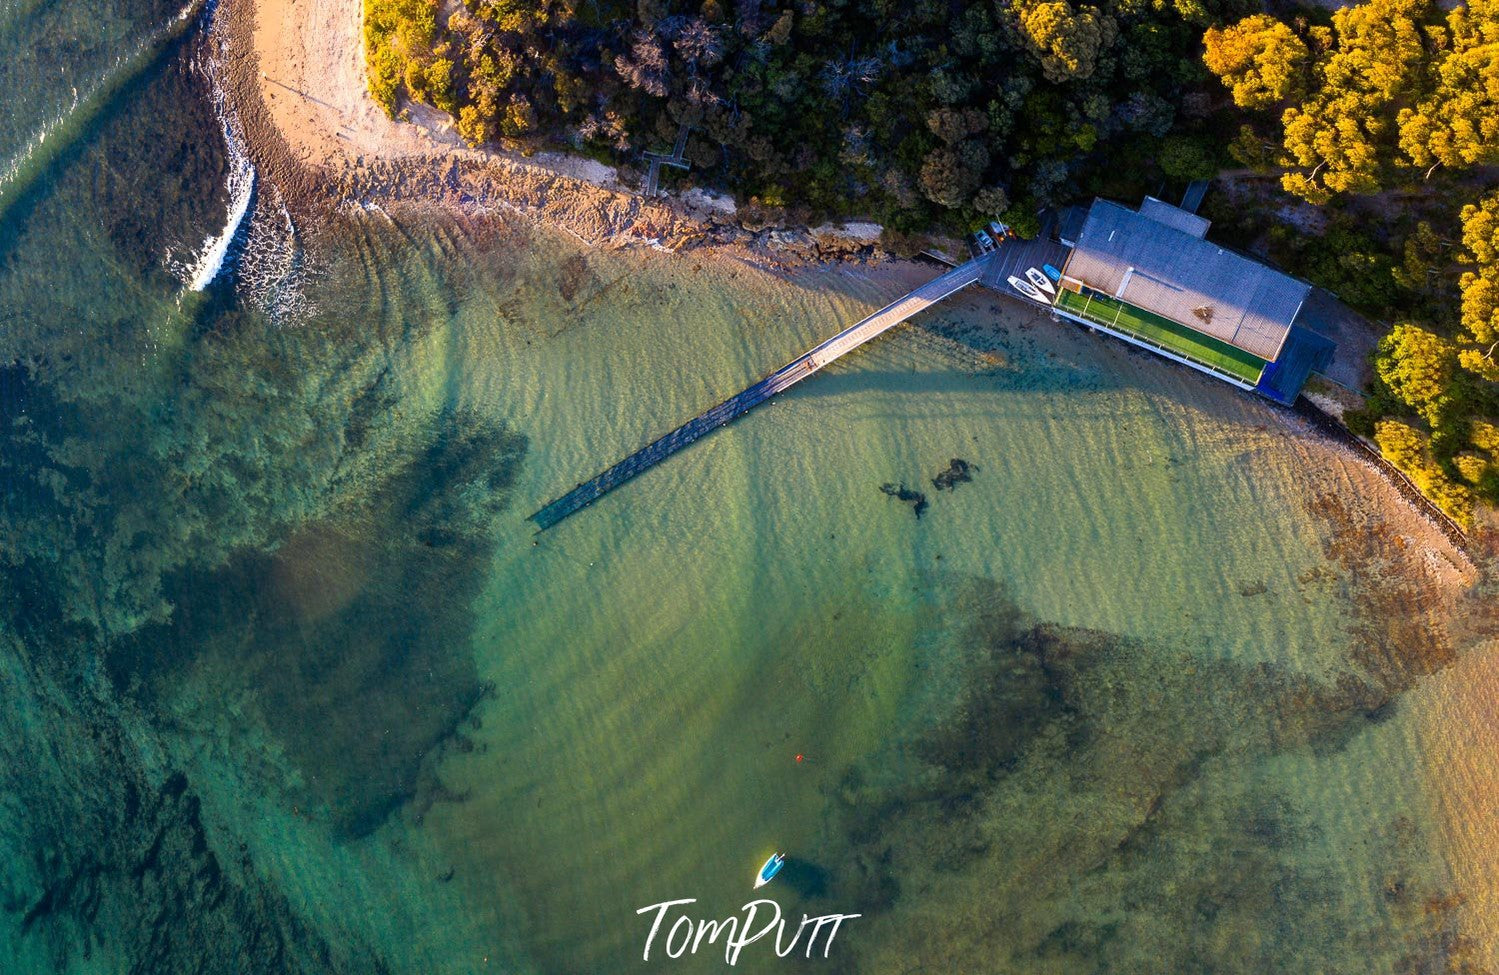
(17, 173)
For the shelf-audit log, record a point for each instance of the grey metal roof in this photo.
(1185, 278)
(1162, 212)
(1070, 223)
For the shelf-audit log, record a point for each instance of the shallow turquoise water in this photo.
(312, 696)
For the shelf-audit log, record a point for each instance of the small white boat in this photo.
(1027, 289)
(1040, 280)
(768, 872)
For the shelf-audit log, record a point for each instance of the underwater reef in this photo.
(1093, 804)
(200, 500)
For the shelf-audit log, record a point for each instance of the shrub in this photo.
(383, 66)
(1484, 434)
(1185, 158)
(438, 79)
(473, 126)
(1408, 449)
(398, 36)
(1023, 220)
(1360, 422)
(1471, 467)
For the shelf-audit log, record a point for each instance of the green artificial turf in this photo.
(1180, 339)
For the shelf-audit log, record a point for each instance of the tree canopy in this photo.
(1389, 95)
(913, 113)
(1444, 389)
(1417, 366)
(1261, 59)
(1480, 286)
(1456, 123)
(1392, 85)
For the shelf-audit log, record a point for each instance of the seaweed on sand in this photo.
(958, 471)
(1092, 803)
(355, 631)
(915, 499)
(188, 492)
(113, 856)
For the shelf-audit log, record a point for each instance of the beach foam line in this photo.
(241, 190)
(258, 239)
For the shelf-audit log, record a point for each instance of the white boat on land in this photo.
(768, 872)
(1027, 289)
(1040, 280)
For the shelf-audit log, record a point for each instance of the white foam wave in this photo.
(258, 236)
(273, 267)
(216, 248)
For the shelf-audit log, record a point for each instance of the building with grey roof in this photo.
(1174, 216)
(1152, 277)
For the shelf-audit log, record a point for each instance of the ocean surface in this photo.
(1165, 684)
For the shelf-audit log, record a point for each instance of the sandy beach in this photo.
(294, 71)
(312, 81)
(298, 88)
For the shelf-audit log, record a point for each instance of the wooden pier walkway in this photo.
(657, 160)
(779, 381)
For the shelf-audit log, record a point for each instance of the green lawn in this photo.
(1179, 339)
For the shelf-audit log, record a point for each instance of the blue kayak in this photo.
(772, 867)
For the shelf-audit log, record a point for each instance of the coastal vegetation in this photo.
(1388, 118)
(1383, 118)
(918, 114)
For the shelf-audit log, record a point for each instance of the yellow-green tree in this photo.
(1417, 366)
(1338, 136)
(1068, 40)
(1335, 142)
(1410, 450)
(1344, 133)
(1260, 59)
(1480, 287)
(1457, 124)
(398, 36)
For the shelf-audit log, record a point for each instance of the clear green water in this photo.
(293, 687)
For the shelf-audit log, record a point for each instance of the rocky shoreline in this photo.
(1468, 545)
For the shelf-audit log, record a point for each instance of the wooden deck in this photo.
(777, 382)
(1012, 257)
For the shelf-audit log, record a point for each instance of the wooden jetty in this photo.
(779, 381)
